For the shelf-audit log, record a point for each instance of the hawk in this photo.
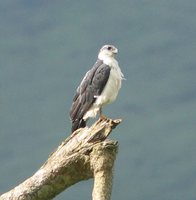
(100, 86)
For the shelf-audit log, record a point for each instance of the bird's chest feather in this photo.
(112, 87)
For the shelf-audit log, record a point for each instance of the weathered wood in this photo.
(102, 161)
(83, 155)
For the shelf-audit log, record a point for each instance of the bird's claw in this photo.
(103, 117)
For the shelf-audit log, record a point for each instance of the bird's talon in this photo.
(102, 117)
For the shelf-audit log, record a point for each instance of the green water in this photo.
(45, 49)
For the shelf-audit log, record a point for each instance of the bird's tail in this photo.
(78, 123)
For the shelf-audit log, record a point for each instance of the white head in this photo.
(107, 51)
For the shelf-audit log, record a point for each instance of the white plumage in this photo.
(111, 88)
(99, 87)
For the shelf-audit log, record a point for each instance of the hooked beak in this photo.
(115, 51)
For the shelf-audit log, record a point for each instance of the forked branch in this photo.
(85, 154)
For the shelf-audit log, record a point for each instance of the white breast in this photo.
(112, 87)
(110, 91)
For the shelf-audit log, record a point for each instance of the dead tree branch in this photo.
(85, 154)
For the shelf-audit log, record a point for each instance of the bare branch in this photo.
(83, 155)
(102, 161)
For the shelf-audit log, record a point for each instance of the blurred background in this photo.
(46, 47)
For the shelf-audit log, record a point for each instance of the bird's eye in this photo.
(109, 48)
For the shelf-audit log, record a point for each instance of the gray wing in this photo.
(91, 86)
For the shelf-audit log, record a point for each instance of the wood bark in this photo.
(85, 154)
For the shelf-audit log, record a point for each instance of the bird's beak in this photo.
(115, 51)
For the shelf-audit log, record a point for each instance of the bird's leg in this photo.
(101, 116)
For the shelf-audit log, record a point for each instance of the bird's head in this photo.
(107, 51)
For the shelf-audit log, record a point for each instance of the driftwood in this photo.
(85, 154)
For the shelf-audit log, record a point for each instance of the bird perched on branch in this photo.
(99, 87)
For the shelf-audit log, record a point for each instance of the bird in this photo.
(99, 87)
